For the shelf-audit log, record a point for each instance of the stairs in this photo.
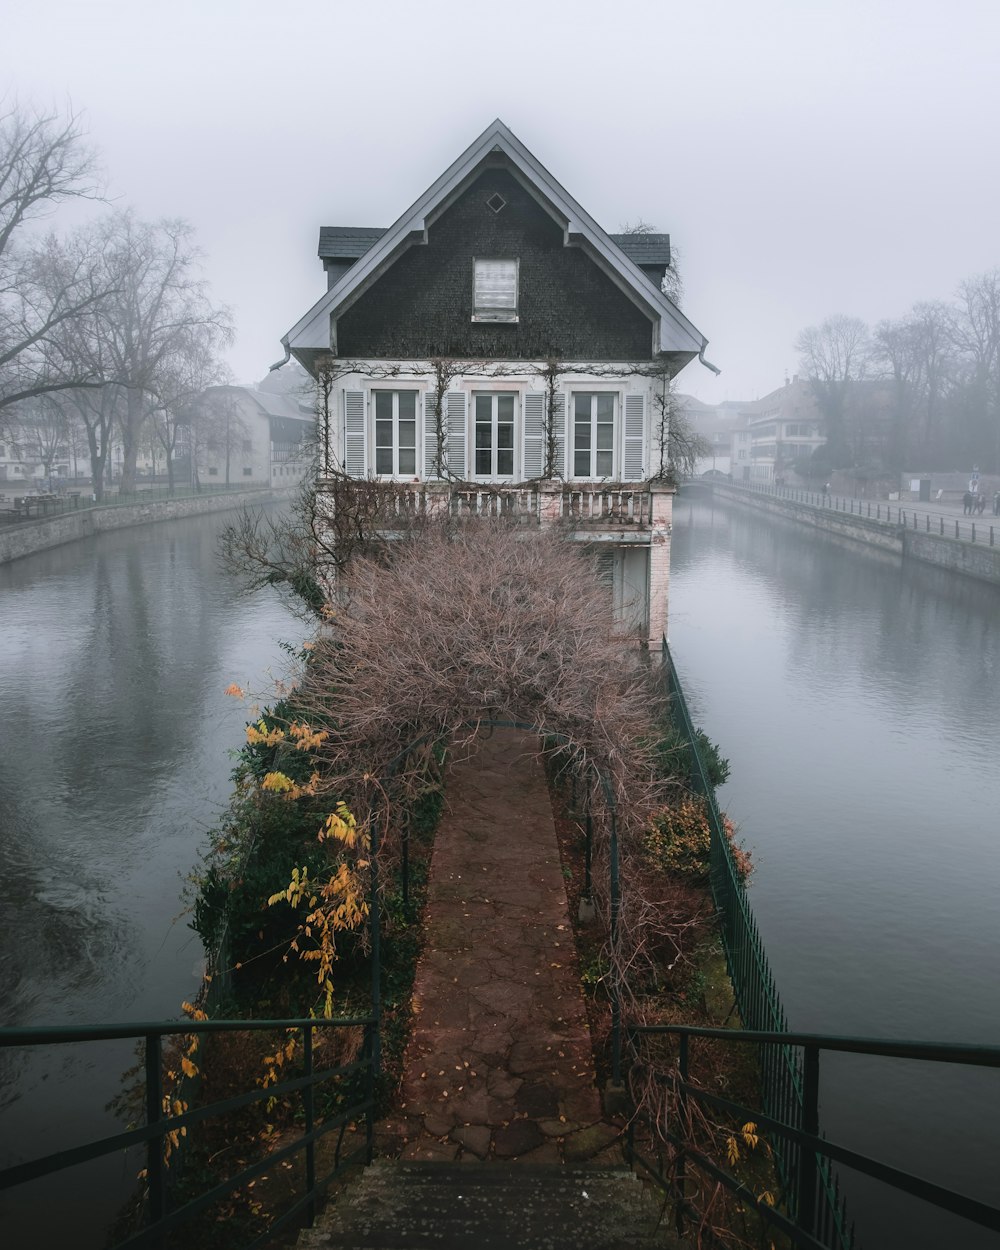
(490, 1206)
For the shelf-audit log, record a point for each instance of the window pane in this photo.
(484, 435)
(383, 405)
(407, 433)
(407, 405)
(505, 407)
(383, 460)
(581, 406)
(581, 464)
(505, 463)
(582, 437)
(605, 407)
(605, 437)
(604, 464)
(383, 433)
(407, 460)
(484, 408)
(505, 436)
(484, 464)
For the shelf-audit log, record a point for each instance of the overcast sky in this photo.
(807, 157)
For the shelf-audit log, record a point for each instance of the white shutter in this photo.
(455, 427)
(496, 289)
(430, 436)
(354, 434)
(634, 442)
(534, 434)
(559, 435)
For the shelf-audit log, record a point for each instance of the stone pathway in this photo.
(499, 1065)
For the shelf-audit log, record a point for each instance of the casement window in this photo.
(493, 414)
(395, 433)
(494, 290)
(593, 434)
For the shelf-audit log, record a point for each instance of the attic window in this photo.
(496, 202)
(495, 290)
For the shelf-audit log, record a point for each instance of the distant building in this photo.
(255, 435)
(785, 429)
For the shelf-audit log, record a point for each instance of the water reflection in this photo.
(115, 762)
(855, 697)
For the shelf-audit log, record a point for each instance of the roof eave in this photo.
(313, 331)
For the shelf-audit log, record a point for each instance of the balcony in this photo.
(583, 507)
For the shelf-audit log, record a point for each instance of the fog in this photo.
(807, 157)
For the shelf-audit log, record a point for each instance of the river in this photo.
(858, 699)
(115, 761)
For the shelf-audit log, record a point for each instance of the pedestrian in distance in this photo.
(967, 500)
(980, 504)
(996, 503)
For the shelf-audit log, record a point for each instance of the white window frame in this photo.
(494, 475)
(485, 312)
(395, 392)
(616, 424)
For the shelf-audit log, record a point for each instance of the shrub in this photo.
(680, 840)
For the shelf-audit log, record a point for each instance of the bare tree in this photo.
(159, 307)
(41, 432)
(835, 356)
(189, 371)
(976, 330)
(43, 163)
(221, 427)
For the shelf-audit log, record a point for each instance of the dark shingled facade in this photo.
(421, 306)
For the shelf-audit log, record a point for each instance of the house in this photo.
(786, 427)
(496, 351)
(261, 435)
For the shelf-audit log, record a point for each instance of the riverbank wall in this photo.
(31, 536)
(970, 559)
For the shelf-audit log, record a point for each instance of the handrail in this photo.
(161, 1123)
(987, 1056)
(802, 1223)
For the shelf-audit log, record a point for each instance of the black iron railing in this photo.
(814, 1212)
(783, 1077)
(164, 1122)
(801, 1211)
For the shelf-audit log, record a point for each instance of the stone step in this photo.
(484, 1206)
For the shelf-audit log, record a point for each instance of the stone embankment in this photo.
(17, 540)
(972, 559)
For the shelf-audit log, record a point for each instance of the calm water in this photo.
(858, 701)
(115, 761)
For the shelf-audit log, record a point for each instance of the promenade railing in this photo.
(978, 527)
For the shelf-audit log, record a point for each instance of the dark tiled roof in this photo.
(645, 249)
(347, 242)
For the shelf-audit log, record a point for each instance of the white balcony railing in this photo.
(583, 505)
(608, 506)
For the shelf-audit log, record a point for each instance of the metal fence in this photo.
(166, 1120)
(983, 531)
(785, 1077)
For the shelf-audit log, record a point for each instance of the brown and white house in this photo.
(496, 352)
